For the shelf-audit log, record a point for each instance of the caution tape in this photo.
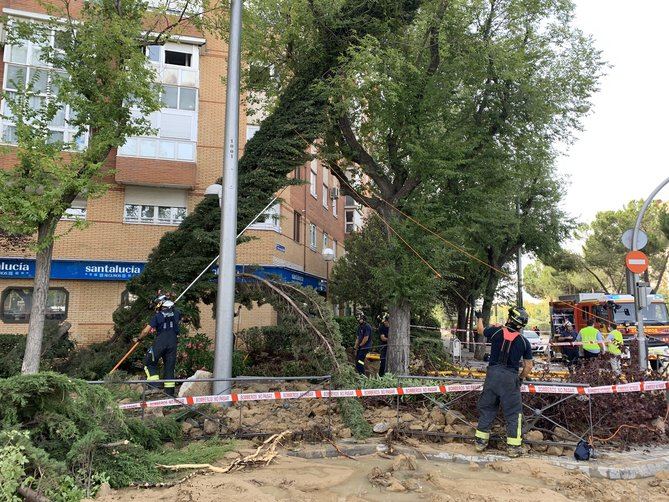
(393, 391)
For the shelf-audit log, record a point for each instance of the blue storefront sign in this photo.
(82, 270)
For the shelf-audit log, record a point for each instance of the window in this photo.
(177, 58)
(25, 72)
(312, 236)
(297, 226)
(127, 299)
(334, 248)
(313, 175)
(179, 98)
(349, 223)
(334, 207)
(326, 196)
(16, 303)
(154, 206)
(77, 210)
(349, 201)
(175, 125)
(269, 220)
(326, 240)
(312, 182)
(251, 131)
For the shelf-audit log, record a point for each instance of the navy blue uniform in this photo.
(570, 353)
(166, 326)
(502, 383)
(364, 330)
(383, 333)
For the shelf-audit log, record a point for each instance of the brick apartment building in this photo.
(157, 181)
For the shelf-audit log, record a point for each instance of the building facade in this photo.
(157, 181)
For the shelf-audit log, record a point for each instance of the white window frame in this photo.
(335, 208)
(177, 215)
(272, 220)
(69, 133)
(165, 147)
(334, 249)
(348, 230)
(326, 240)
(313, 176)
(312, 237)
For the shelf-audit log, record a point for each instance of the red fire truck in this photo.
(617, 308)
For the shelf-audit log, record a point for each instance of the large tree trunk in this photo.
(399, 341)
(31, 357)
(486, 310)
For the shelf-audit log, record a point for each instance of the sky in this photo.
(622, 153)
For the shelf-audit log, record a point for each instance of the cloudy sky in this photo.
(622, 154)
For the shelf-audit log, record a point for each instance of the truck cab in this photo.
(616, 308)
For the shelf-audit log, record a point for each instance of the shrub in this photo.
(348, 326)
(195, 352)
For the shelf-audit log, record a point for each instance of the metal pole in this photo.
(643, 349)
(225, 297)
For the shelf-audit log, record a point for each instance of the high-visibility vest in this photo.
(589, 339)
(614, 347)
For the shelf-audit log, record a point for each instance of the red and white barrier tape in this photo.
(394, 391)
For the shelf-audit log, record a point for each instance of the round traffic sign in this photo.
(636, 261)
(626, 238)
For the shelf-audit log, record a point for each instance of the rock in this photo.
(465, 430)
(387, 413)
(534, 436)
(659, 424)
(449, 430)
(104, 490)
(406, 417)
(381, 427)
(396, 486)
(437, 417)
(153, 413)
(186, 427)
(500, 466)
(562, 434)
(197, 388)
(412, 485)
(555, 450)
(433, 428)
(541, 448)
(473, 466)
(211, 426)
(416, 427)
(345, 433)
(195, 433)
(137, 387)
(404, 463)
(452, 416)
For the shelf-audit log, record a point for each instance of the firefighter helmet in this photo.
(518, 318)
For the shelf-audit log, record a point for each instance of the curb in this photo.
(593, 468)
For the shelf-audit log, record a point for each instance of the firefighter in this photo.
(503, 381)
(568, 334)
(592, 340)
(614, 345)
(363, 342)
(384, 328)
(165, 323)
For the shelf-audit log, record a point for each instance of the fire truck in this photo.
(616, 308)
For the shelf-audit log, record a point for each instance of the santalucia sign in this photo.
(84, 270)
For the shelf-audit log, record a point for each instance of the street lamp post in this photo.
(225, 297)
(639, 289)
(328, 256)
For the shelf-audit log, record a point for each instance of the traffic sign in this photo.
(626, 239)
(636, 261)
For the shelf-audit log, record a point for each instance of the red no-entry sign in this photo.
(636, 261)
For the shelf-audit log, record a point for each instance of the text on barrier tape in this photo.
(394, 391)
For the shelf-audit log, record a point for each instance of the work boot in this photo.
(514, 451)
(480, 444)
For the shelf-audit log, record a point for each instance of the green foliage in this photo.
(348, 327)
(54, 350)
(203, 452)
(152, 433)
(194, 352)
(12, 462)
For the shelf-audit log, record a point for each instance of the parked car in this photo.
(539, 346)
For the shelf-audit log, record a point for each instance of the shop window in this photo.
(16, 303)
(127, 299)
